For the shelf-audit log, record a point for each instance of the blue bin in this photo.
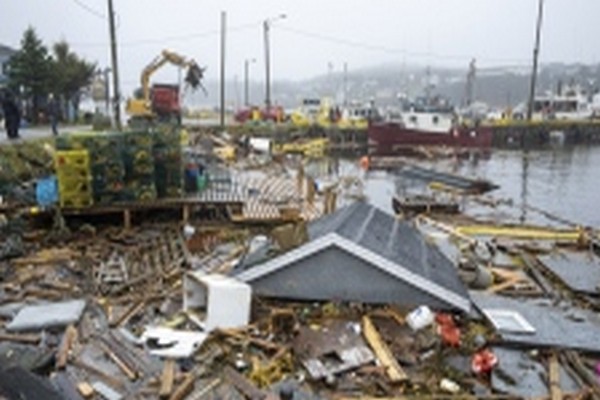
(46, 191)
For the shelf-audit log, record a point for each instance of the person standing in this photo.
(12, 116)
(53, 113)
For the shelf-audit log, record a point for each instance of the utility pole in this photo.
(246, 81)
(115, 65)
(107, 90)
(470, 85)
(223, 28)
(345, 84)
(267, 66)
(266, 27)
(536, 51)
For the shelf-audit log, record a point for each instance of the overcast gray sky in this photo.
(314, 34)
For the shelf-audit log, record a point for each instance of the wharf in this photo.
(254, 201)
(506, 134)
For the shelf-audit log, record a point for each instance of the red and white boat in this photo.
(426, 123)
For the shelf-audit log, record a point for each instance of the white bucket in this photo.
(419, 318)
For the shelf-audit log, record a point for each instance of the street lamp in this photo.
(246, 73)
(266, 25)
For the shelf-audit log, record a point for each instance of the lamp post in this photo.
(246, 74)
(266, 26)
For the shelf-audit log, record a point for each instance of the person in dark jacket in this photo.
(12, 116)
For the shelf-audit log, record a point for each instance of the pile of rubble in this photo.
(134, 314)
(353, 303)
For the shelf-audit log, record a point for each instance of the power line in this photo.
(166, 39)
(384, 49)
(89, 9)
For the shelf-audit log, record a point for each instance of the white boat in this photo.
(572, 104)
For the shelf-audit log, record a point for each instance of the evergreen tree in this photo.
(29, 72)
(70, 74)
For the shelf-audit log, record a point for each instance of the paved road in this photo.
(43, 131)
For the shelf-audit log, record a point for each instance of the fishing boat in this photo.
(426, 122)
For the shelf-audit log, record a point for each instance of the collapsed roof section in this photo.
(363, 254)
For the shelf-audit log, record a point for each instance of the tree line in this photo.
(34, 73)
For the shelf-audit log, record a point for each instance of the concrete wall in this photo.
(335, 275)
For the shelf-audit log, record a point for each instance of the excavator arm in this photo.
(194, 74)
(142, 109)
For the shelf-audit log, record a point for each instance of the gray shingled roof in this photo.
(383, 234)
(392, 238)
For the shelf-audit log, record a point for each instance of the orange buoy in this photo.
(364, 162)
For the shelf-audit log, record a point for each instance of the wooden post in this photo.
(300, 180)
(127, 219)
(186, 213)
(310, 191)
(332, 201)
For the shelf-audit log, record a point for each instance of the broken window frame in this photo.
(499, 316)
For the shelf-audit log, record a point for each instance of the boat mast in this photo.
(536, 51)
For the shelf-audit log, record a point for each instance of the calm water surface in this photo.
(563, 181)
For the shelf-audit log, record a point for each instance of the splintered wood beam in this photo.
(184, 388)
(129, 372)
(20, 338)
(130, 312)
(382, 351)
(167, 378)
(68, 339)
(554, 373)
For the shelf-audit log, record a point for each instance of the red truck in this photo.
(165, 102)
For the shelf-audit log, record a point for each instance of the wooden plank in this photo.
(167, 378)
(382, 351)
(205, 390)
(85, 390)
(20, 338)
(265, 344)
(505, 285)
(242, 384)
(68, 339)
(126, 316)
(129, 372)
(99, 373)
(184, 388)
(554, 373)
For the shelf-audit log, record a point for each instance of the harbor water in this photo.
(562, 182)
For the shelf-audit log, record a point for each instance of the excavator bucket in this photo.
(194, 77)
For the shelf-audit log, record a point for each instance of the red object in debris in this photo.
(444, 319)
(448, 330)
(450, 335)
(483, 362)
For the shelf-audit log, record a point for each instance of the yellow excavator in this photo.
(161, 101)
